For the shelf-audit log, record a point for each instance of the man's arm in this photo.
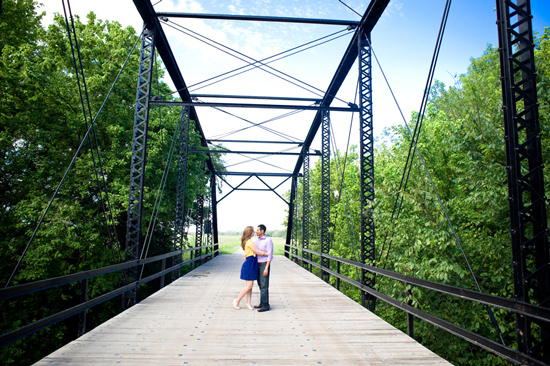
(269, 251)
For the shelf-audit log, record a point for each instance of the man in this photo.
(264, 244)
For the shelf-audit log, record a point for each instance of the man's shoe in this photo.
(260, 310)
(257, 306)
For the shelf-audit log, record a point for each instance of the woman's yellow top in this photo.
(247, 251)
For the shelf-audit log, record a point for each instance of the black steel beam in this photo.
(195, 150)
(253, 97)
(325, 195)
(524, 168)
(150, 19)
(369, 20)
(259, 174)
(138, 161)
(290, 225)
(259, 18)
(258, 106)
(256, 142)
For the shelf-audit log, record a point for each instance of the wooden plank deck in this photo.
(192, 322)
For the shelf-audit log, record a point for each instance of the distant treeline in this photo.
(275, 233)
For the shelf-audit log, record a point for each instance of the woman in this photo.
(249, 270)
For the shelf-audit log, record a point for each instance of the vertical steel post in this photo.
(325, 193)
(208, 228)
(367, 167)
(295, 227)
(290, 226)
(163, 267)
(528, 222)
(305, 211)
(139, 155)
(214, 213)
(82, 316)
(199, 218)
(179, 222)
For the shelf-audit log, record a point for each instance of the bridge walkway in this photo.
(192, 322)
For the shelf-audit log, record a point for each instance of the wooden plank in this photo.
(192, 322)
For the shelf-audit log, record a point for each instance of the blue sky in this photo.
(403, 40)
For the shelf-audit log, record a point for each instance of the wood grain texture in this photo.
(192, 322)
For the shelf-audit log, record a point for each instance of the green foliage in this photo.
(461, 142)
(41, 126)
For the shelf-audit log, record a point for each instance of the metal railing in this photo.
(525, 309)
(15, 291)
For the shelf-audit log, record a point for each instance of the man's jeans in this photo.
(263, 283)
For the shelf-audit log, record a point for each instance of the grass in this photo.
(229, 244)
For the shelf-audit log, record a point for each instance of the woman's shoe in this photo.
(235, 304)
(250, 307)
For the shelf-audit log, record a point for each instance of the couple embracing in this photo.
(257, 259)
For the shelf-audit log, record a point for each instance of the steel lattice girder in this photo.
(295, 227)
(367, 167)
(214, 211)
(290, 216)
(179, 222)
(528, 222)
(325, 192)
(139, 155)
(199, 222)
(305, 208)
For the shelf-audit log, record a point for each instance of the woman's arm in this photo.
(256, 250)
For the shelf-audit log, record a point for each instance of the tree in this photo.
(42, 125)
(461, 144)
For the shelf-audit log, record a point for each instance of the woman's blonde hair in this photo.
(246, 235)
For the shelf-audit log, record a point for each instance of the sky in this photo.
(403, 41)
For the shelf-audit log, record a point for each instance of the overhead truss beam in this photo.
(258, 105)
(256, 142)
(195, 150)
(260, 18)
(253, 97)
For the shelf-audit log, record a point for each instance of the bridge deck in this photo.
(192, 322)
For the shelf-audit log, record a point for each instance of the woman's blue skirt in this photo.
(249, 270)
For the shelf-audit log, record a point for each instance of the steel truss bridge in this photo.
(529, 232)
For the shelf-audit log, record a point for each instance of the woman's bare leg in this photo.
(247, 288)
(249, 297)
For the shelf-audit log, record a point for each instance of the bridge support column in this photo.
(208, 227)
(214, 212)
(199, 218)
(139, 155)
(295, 228)
(524, 166)
(325, 193)
(367, 167)
(290, 226)
(179, 222)
(305, 212)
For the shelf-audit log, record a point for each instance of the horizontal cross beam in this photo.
(260, 106)
(256, 142)
(195, 150)
(257, 174)
(259, 18)
(254, 97)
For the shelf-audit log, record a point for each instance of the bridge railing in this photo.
(524, 309)
(11, 292)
